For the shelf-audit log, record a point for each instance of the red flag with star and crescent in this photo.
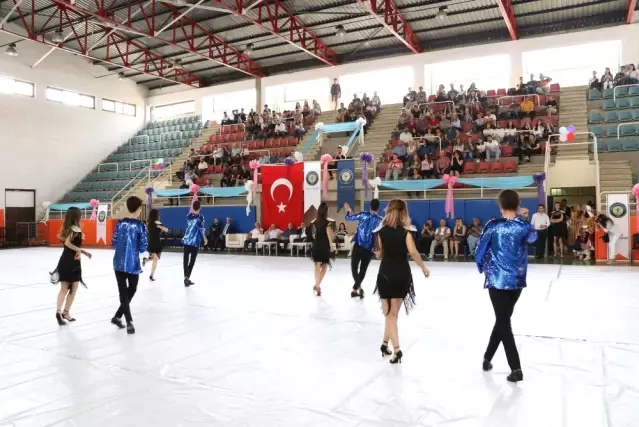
(282, 195)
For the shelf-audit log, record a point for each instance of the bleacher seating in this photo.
(610, 113)
(159, 140)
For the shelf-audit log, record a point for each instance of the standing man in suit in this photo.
(228, 229)
(214, 234)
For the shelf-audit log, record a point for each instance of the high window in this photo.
(118, 107)
(70, 98)
(11, 86)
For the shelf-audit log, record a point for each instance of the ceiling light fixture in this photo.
(340, 31)
(249, 49)
(121, 76)
(442, 13)
(11, 50)
(58, 37)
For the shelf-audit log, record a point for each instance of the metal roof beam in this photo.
(214, 48)
(507, 12)
(393, 21)
(287, 27)
(632, 4)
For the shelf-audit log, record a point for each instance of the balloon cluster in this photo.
(567, 133)
(159, 164)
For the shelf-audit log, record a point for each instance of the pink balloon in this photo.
(563, 137)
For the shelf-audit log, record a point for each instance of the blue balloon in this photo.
(563, 129)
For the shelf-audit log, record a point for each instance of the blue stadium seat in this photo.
(594, 94)
(595, 117)
(611, 131)
(630, 145)
(596, 130)
(627, 130)
(608, 93)
(611, 116)
(622, 104)
(614, 145)
(624, 116)
(621, 91)
(634, 91)
(609, 104)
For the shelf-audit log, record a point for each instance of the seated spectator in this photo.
(175, 200)
(468, 151)
(422, 149)
(280, 129)
(410, 96)
(593, 81)
(215, 233)
(415, 111)
(522, 148)
(421, 125)
(236, 151)
(521, 87)
(266, 109)
(455, 122)
(341, 234)
(272, 235)
(405, 137)
(551, 105)
(531, 86)
(305, 234)
(202, 166)
(298, 126)
(492, 148)
(427, 167)
(452, 135)
(411, 151)
(458, 238)
(401, 150)
(440, 237)
(527, 108)
(442, 166)
(456, 164)
(332, 166)
(452, 93)
(426, 236)
(341, 113)
(415, 170)
(226, 120)
(395, 168)
(458, 146)
(317, 110)
(543, 87)
(253, 237)
(421, 96)
(535, 147)
(306, 109)
(474, 232)
(607, 79)
(285, 237)
(480, 148)
(479, 124)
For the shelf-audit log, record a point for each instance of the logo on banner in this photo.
(102, 216)
(346, 176)
(312, 178)
(101, 223)
(618, 210)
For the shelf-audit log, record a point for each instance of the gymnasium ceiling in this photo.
(207, 42)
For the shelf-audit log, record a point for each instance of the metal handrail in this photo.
(150, 163)
(444, 190)
(146, 170)
(625, 124)
(117, 166)
(438, 102)
(614, 90)
(515, 96)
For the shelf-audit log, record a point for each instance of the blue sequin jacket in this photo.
(194, 230)
(129, 241)
(368, 222)
(502, 253)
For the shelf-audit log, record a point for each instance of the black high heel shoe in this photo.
(151, 278)
(58, 317)
(67, 316)
(384, 349)
(398, 356)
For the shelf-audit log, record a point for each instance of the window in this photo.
(285, 96)
(572, 65)
(70, 98)
(488, 72)
(172, 110)
(118, 107)
(227, 102)
(11, 86)
(390, 84)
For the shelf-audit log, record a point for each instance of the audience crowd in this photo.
(627, 75)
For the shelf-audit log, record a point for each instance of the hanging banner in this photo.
(619, 212)
(312, 185)
(101, 222)
(345, 183)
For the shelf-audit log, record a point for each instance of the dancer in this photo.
(502, 255)
(69, 270)
(154, 226)
(610, 237)
(129, 241)
(193, 236)
(364, 246)
(323, 247)
(394, 280)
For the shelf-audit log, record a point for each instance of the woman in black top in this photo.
(154, 227)
(558, 229)
(323, 248)
(456, 164)
(394, 280)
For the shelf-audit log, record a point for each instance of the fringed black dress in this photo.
(394, 280)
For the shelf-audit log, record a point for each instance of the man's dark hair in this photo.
(133, 203)
(375, 205)
(541, 205)
(508, 200)
(196, 205)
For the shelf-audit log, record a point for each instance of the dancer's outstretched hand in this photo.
(426, 271)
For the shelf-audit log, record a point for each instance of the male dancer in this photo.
(194, 235)
(502, 255)
(364, 246)
(129, 241)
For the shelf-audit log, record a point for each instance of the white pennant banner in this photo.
(101, 223)
(312, 185)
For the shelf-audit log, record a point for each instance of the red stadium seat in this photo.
(259, 144)
(490, 92)
(212, 138)
(382, 173)
(484, 167)
(554, 87)
(501, 92)
(510, 166)
(470, 167)
(227, 137)
(234, 128)
(252, 145)
(432, 98)
(226, 129)
(507, 151)
(210, 169)
(277, 142)
(496, 167)
(387, 156)
(286, 152)
(241, 127)
(269, 143)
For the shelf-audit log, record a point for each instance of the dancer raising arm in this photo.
(364, 243)
(69, 270)
(394, 280)
(154, 227)
(193, 236)
(502, 255)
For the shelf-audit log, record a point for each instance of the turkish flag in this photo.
(282, 195)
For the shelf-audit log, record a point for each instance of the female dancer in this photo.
(394, 280)
(558, 229)
(154, 226)
(69, 270)
(323, 246)
(611, 236)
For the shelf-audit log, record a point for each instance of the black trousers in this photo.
(503, 305)
(540, 244)
(216, 242)
(127, 286)
(190, 254)
(251, 242)
(360, 258)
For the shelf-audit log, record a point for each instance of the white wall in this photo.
(49, 146)
(514, 49)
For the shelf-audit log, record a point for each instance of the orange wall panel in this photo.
(88, 228)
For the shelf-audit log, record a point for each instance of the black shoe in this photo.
(117, 322)
(486, 365)
(130, 329)
(398, 357)
(515, 376)
(66, 316)
(58, 317)
(151, 278)
(384, 349)
(191, 282)
(361, 293)
(354, 293)
(187, 282)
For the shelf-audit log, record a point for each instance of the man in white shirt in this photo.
(540, 222)
(442, 234)
(253, 237)
(481, 149)
(405, 136)
(217, 154)
(272, 234)
(492, 148)
(280, 128)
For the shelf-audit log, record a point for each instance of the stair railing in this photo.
(143, 174)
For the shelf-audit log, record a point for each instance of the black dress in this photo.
(559, 229)
(69, 269)
(394, 280)
(155, 245)
(321, 245)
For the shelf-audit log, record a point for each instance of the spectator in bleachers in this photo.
(452, 134)
(527, 108)
(401, 149)
(440, 237)
(455, 122)
(469, 152)
(377, 103)
(480, 146)
(452, 93)
(456, 164)
(236, 151)
(521, 87)
(421, 96)
(339, 155)
(415, 112)
(531, 86)
(632, 74)
(412, 126)
(427, 167)
(426, 236)
(474, 232)
(443, 164)
(341, 113)
(522, 148)
(410, 97)
(478, 126)
(543, 87)
(492, 149)
(411, 151)
(607, 79)
(317, 110)
(306, 109)
(593, 81)
(226, 120)
(395, 168)
(266, 109)
(298, 127)
(336, 93)
(510, 133)
(551, 105)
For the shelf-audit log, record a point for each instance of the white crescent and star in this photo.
(285, 182)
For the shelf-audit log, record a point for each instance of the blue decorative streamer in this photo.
(501, 183)
(66, 206)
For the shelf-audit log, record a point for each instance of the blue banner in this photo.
(502, 183)
(345, 183)
(66, 206)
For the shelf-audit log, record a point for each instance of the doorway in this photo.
(19, 208)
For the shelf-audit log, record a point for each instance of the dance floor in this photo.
(249, 345)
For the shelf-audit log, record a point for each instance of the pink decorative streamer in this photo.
(255, 165)
(194, 189)
(449, 209)
(324, 161)
(635, 192)
(94, 205)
